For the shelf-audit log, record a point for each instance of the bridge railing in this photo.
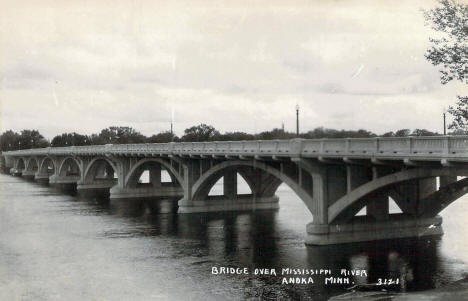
(388, 146)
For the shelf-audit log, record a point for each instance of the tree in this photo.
(200, 132)
(121, 135)
(460, 114)
(70, 139)
(235, 136)
(9, 141)
(31, 139)
(423, 132)
(402, 133)
(449, 51)
(389, 134)
(275, 134)
(163, 137)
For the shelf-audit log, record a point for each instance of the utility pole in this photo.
(297, 120)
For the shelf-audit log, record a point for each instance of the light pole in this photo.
(297, 120)
(445, 124)
(172, 122)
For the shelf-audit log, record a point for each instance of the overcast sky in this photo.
(237, 65)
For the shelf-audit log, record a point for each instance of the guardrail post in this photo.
(446, 149)
(171, 148)
(410, 144)
(295, 147)
(377, 145)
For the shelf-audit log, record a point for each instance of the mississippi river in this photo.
(55, 246)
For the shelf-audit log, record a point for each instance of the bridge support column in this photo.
(378, 223)
(447, 180)
(378, 206)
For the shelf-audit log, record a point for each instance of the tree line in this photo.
(25, 139)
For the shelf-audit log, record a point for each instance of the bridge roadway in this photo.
(335, 178)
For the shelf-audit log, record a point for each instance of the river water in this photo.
(55, 246)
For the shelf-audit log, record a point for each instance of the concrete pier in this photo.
(221, 203)
(42, 178)
(146, 192)
(28, 174)
(360, 230)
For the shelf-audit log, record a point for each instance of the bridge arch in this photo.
(44, 165)
(95, 165)
(32, 164)
(20, 163)
(69, 164)
(204, 183)
(134, 174)
(352, 198)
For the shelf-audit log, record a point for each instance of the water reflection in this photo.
(252, 240)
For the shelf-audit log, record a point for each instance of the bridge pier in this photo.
(68, 183)
(98, 188)
(222, 203)
(168, 191)
(42, 178)
(361, 229)
(28, 174)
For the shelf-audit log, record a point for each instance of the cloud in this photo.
(86, 65)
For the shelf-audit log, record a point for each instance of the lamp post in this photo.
(445, 124)
(297, 120)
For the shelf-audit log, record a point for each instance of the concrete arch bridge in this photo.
(335, 178)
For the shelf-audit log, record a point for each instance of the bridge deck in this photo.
(453, 148)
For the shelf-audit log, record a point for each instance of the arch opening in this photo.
(69, 168)
(101, 169)
(20, 165)
(418, 192)
(241, 186)
(47, 166)
(263, 179)
(152, 173)
(32, 165)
